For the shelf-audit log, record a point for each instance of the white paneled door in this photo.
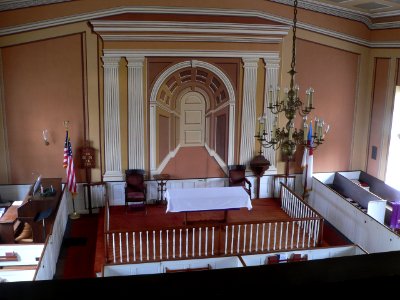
(192, 119)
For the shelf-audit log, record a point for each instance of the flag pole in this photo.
(68, 163)
(305, 184)
(74, 215)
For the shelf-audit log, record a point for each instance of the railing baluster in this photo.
(193, 238)
(298, 234)
(120, 246)
(173, 243)
(316, 232)
(238, 240)
(180, 242)
(187, 242)
(287, 232)
(262, 237)
(251, 236)
(161, 244)
(280, 236)
(113, 243)
(258, 225)
(269, 236)
(206, 245)
(154, 245)
(167, 240)
(226, 239)
(274, 236)
(140, 246)
(127, 246)
(304, 231)
(244, 237)
(212, 241)
(232, 238)
(134, 245)
(200, 241)
(309, 233)
(291, 243)
(147, 245)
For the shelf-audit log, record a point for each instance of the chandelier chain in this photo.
(293, 64)
(288, 137)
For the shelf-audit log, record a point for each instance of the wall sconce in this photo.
(46, 137)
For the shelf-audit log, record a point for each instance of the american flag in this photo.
(68, 164)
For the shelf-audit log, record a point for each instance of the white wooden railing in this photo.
(295, 207)
(302, 229)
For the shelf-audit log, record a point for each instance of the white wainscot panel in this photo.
(116, 192)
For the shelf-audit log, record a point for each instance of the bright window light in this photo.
(393, 162)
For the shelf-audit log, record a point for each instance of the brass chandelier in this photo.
(288, 137)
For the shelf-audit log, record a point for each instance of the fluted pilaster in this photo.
(249, 109)
(112, 139)
(135, 113)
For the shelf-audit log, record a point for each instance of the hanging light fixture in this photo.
(288, 137)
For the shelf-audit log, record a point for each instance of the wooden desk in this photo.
(35, 205)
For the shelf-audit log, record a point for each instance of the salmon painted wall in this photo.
(378, 108)
(333, 75)
(43, 86)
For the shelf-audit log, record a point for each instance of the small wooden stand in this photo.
(259, 165)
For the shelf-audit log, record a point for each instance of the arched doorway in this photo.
(192, 123)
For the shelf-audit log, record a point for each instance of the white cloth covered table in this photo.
(197, 199)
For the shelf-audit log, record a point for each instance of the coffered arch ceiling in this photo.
(193, 77)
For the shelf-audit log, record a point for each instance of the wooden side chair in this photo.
(237, 177)
(135, 187)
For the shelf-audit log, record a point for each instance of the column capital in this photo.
(271, 63)
(111, 61)
(250, 62)
(135, 61)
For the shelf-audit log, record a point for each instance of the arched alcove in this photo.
(214, 116)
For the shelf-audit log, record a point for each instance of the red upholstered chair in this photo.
(237, 177)
(135, 188)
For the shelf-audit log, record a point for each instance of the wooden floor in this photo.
(155, 216)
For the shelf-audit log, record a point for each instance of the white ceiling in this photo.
(373, 8)
(15, 4)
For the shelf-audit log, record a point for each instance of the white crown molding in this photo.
(190, 53)
(347, 13)
(203, 11)
(349, 38)
(192, 38)
(15, 4)
(175, 26)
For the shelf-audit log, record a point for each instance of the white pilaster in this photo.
(231, 148)
(135, 113)
(112, 139)
(153, 134)
(271, 81)
(249, 109)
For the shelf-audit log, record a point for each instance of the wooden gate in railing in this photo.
(303, 230)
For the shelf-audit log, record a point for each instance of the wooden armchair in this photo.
(237, 177)
(135, 188)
